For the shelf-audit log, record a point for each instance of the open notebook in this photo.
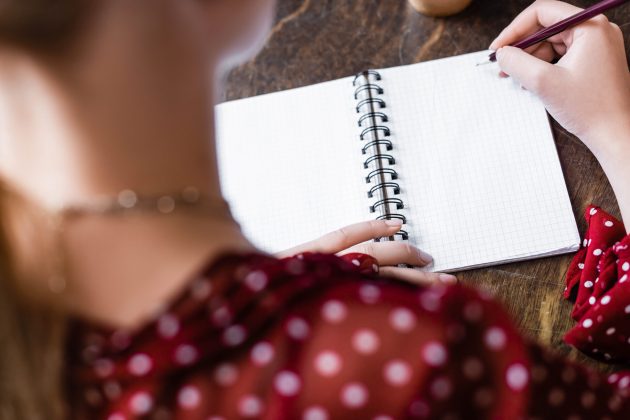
(466, 158)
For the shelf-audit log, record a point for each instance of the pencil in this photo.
(563, 25)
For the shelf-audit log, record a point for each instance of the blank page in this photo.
(290, 163)
(481, 179)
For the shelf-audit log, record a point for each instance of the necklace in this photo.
(125, 203)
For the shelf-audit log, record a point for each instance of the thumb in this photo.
(532, 73)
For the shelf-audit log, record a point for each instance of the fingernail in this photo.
(426, 258)
(394, 222)
(492, 47)
(447, 278)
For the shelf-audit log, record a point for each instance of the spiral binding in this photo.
(388, 144)
(368, 86)
(389, 158)
(366, 74)
(371, 115)
(370, 103)
(380, 172)
(374, 135)
(394, 186)
(373, 128)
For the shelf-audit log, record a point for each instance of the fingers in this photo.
(416, 276)
(531, 72)
(542, 13)
(561, 49)
(346, 237)
(393, 253)
(544, 51)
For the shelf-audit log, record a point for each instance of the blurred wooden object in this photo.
(439, 7)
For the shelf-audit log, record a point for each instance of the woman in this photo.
(128, 291)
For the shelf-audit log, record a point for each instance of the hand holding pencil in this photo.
(563, 25)
(587, 91)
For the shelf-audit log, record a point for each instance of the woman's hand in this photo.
(389, 254)
(588, 90)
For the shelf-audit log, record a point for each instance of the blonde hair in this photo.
(32, 347)
(32, 337)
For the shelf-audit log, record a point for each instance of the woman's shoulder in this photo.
(238, 297)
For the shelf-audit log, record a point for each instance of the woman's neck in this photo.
(119, 115)
(124, 118)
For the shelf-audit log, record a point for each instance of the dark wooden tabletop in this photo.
(318, 40)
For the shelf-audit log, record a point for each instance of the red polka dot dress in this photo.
(318, 337)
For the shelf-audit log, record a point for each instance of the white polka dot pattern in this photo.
(365, 341)
(234, 335)
(140, 403)
(434, 354)
(334, 311)
(287, 384)
(140, 364)
(517, 377)
(189, 397)
(397, 373)
(373, 350)
(495, 339)
(226, 374)
(315, 413)
(168, 326)
(250, 406)
(430, 301)
(201, 289)
(328, 363)
(402, 320)
(103, 367)
(262, 353)
(298, 329)
(369, 293)
(354, 395)
(222, 317)
(256, 280)
(186, 354)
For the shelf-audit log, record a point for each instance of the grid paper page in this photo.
(481, 179)
(290, 163)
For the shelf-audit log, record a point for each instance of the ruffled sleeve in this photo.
(597, 282)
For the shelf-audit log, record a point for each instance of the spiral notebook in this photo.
(465, 158)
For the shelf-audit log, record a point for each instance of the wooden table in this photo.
(319, 40)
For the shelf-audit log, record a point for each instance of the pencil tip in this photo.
(483, 64)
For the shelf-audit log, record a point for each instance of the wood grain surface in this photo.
(318, 40)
